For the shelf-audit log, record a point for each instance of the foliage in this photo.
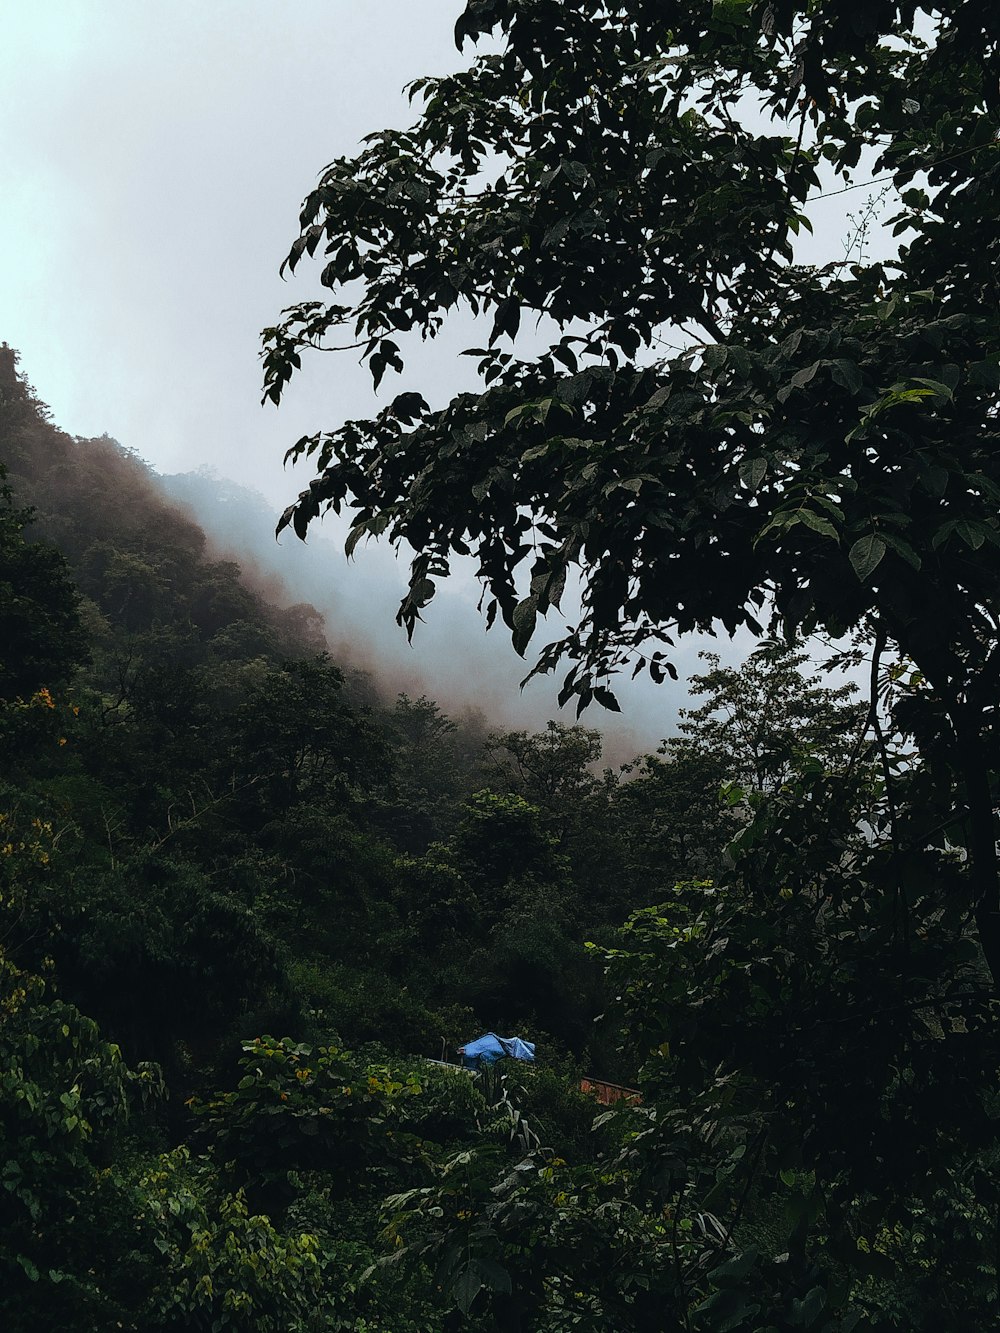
(756, 723)
(542, 1245)
(673, 821)
(817, 1129)
(436, 766)
(762, 719)
(159, 954)
(302, 1108)
(72, 1245)
(209, 832)
(489, 910)
(820, 449)
(785, 1031)
(229, 1270)
(553, 770)
(592, 121)
(295, 726)
(39, 617)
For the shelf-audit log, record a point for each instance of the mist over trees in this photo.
(453, 661)
(244, 896)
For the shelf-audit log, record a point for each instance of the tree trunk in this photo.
(974, 771)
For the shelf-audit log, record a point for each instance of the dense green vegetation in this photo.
(701, 429)
(208, 835)
(242, 897)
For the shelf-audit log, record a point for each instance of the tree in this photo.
(95, 1235)
(760, 718)
(820, 449)
(551, 768)
(157, 953)
(69, 1227)
(756, 723)
(296, 731)
(817, 1124)
(671, 822)
(40, 636)
(433, 769)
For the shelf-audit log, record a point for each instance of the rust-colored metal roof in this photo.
(608, 1094)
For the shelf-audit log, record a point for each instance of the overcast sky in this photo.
(154, 154)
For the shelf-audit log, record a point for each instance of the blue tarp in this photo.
(488, 1049)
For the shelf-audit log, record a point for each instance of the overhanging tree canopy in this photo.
(823, 446)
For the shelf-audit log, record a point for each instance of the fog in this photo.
(452, 658)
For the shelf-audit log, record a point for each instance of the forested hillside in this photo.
(243, 896)
(210, 834)
(246, 897)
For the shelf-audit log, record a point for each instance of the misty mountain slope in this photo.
(242, 833)
(451, 658)
(137, 557)
(94, 491)
(364, 862)
(228, 812)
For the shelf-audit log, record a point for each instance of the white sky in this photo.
(154, 154)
